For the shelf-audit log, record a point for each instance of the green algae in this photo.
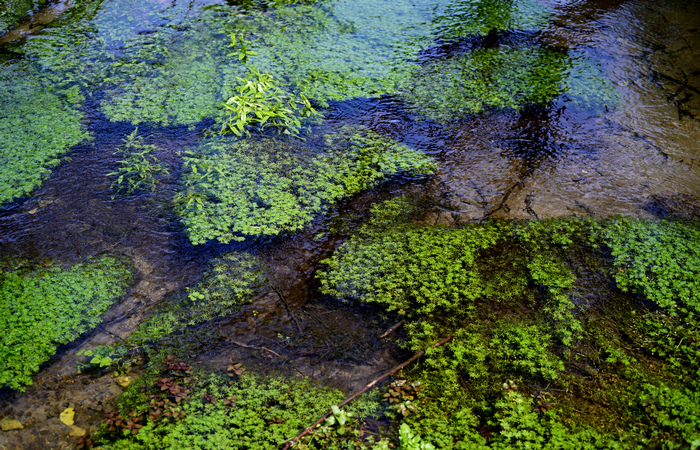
(49, 306)
(505, 77)
(264, 187)
(465, 18)
(38, 124)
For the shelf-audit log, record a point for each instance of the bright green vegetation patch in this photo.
(12, 11)
(531, 362)
(264, 187)
(38, 124)
(659, 260)
(181, 407)
(47, 307)
(465, 18)
(343, 50)
(505, 77)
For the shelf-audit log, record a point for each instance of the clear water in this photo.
(640, 158)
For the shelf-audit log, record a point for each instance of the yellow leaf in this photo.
(67, 416)
(10, 424)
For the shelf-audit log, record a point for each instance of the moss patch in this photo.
(47, 307)
(238, 188)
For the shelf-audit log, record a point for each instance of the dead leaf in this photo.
(10, 424)
(77, 431)
(67, 416)
(33, 211)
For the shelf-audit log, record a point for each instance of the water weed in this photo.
(50, 306)
(236, 188)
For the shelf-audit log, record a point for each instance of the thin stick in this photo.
(254, 348)
(392, 329)
(293, 441)
(289, 311)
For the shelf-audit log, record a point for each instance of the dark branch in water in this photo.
(373, 383)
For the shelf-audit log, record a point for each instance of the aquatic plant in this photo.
(504, 77)
(250, 411)
(237, 188)
(261, 102)
(232, 280)
(465, 18)
(659, 260)
(50, 306)
(38, 124)
(138, 170)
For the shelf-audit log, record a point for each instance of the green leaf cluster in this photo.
(232, 280)
(254, 412)
(237, 188)
(137, 171)
(262, 103)
(50, 306)
(659, 260)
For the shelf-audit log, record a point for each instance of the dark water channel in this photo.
(640, 159)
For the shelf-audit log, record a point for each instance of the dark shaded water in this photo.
(639, 160)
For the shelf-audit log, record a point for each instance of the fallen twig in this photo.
(289, 311)
(392, 329)
(308, 430)
(253, 347)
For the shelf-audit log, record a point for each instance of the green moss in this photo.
(238, 188)
(465, 18)
(505, 77)
(48, 307)
(38, 124)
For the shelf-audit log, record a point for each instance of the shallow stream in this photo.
(637, 156)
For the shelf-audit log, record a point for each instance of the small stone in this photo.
(10, 424)
(77, 431)
(33, 211)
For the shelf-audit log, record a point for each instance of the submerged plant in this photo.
(45, 308)
(238, 188)
(138, 170)
(39, 122)
(466, 18)
(505, 77)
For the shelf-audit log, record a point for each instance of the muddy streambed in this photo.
(636, 154)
